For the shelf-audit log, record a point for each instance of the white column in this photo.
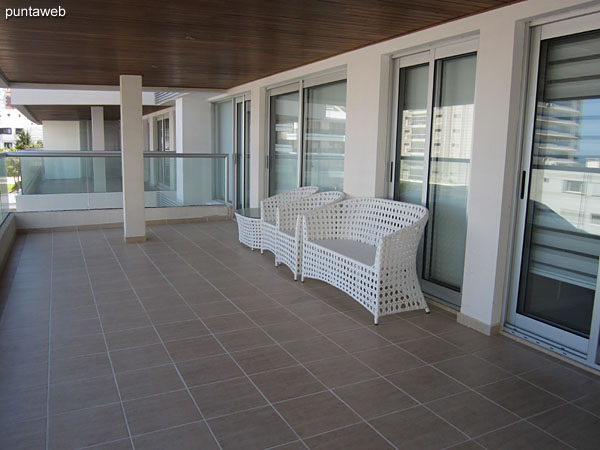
(492, 178)
(132, 145)
(191, 124)
(98, 144)
(367, 96)
(258, 143)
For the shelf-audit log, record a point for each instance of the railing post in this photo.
(132, 147)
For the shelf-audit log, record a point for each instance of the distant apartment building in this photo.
(12, 122)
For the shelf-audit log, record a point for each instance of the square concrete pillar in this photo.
(132, 145)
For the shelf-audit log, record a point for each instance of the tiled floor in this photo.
(192, 341)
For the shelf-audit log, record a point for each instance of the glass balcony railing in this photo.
(60, 181)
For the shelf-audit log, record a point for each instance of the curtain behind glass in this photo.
(562, 230)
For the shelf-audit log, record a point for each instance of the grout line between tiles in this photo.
(233, 359)
(112, 367)
(164, 347)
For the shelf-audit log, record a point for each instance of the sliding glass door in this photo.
(432, 158)
(555, 290)
(233, 138)
(307, 135)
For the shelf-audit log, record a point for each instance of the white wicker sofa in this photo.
(268, 214)
(289, 227)
(367, 247)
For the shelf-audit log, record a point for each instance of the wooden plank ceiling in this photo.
(212, 44)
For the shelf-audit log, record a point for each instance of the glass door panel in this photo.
(224, 144)
(561, 245)
(246, 159)
(324, 136)
(283, 154)
(239, 154)
(412, 139)
(449, 161)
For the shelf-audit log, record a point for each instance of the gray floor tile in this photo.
(160, 412)
(472, 414)
(29, 435)
(255, 429)
(355, 437)
(244, 339)
(226, 397)
(20, 405)
(426, 384)
(209, 370)
(230, 322)
(412, 429)
(84, 393)
(472, 371)
(571, 425)
(139, 357)
(283, 384)
(388, 360)
(313, 349)
(136, 337)
(86, 427)
(263, 359)
(374, 398)
(520, 397)
(63, 370)
(149, 381)
(520, 436)
(291, 331)
(194, 348)
(431, 349)
(562, 381)
(194, 436)
(339, 371)
(316, 414)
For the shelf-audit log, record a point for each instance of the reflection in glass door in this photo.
(283, 154)
(324, 136)
(558, 279)
(433, 154)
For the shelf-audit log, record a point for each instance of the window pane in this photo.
(325, 136)
(412, 137)
(450, 157)
(283, 174)
(562, 231)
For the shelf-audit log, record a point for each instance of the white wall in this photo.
(500, 64)
(193, 134)
(61, 135)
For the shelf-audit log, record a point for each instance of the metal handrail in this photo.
(110, 154)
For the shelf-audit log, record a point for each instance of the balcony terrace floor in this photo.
(191, 340)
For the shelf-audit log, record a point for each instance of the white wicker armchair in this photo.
(268, 214)
(367, 247)
(289, 227)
